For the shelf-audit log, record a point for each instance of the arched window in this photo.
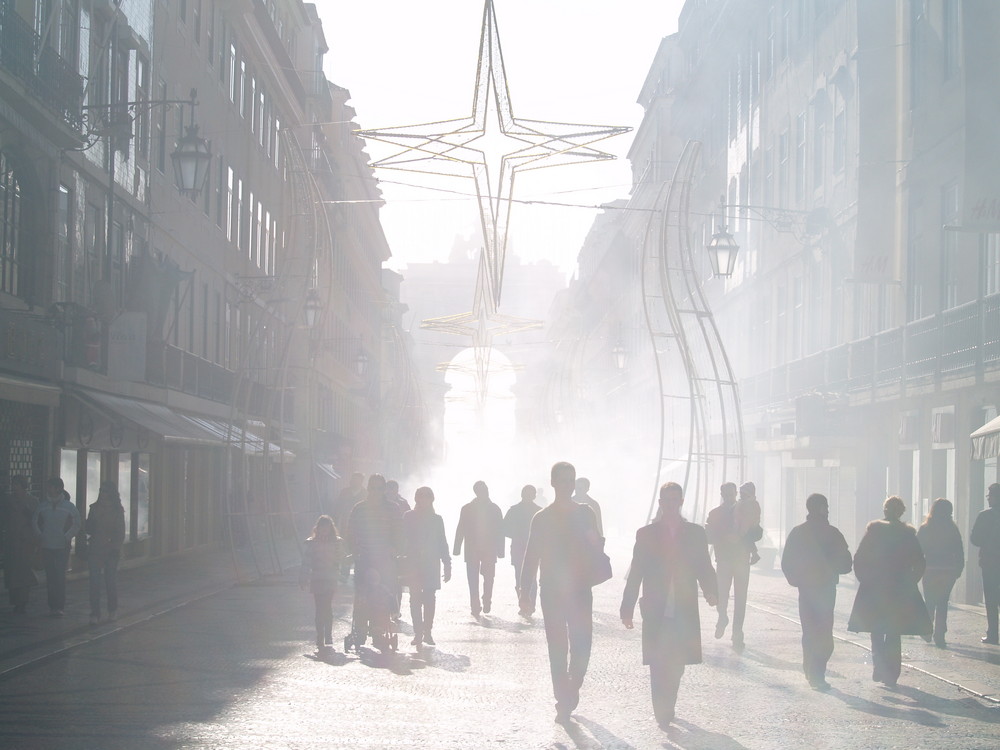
(10, 226)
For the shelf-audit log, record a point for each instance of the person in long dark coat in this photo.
(516, 525)
(941, 542)
(480, 527)
(426, 550)
(670, 561)
(815, 557)
(20, 544)
(888, 565)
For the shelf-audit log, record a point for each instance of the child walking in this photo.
(320, 573)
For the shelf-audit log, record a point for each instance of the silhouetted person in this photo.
(516, 525)
(480, 527)
(581, 496)
(986, 536)
(426, 550)
(320, 571)
(56, 521)
(392, 493)
(374, 537)
(941, 542)
(732, 561)
(20, 544)
(348, 497)
(815, 557)
(105, 527)
(747, 519)
(888, 604)
(557, 545)
(670, 561)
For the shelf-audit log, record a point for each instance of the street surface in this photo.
(237, 670)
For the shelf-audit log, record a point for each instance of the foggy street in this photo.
(237, 669)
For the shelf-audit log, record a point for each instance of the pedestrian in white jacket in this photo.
(56, 521)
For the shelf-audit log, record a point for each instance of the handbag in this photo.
(598, 563)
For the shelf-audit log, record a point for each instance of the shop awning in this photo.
(327, 469)
(158, 419)
(229, 434)
(29, 391)
(986, 440)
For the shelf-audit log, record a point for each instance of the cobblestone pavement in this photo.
(237, 670)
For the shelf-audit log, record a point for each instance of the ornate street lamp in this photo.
(619, 355)
(361, 363)
(191, 157)
(312, 307)
(722, 250)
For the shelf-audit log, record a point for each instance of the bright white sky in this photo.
(578, 61)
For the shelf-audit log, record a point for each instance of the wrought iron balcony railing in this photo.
(47, 76)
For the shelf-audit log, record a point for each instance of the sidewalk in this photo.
(145, 591)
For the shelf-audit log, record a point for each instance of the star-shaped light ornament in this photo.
(468, 147)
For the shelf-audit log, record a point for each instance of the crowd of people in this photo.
(554, 550)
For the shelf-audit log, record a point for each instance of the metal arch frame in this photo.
(676, 311)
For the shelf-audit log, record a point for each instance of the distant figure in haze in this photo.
(888, 565)
(581, 496)
(20, 544)
(516, 525)
(374, 537)
(426, 549)
(726, 534)
(986, 536)
(56, 522)
(747, 519)
(105, 526)
(480, 526)
(815, 556)
(941, 542)
(670, 561)
(557, 545)
(349, 496)
(320, 566)
(392, 493)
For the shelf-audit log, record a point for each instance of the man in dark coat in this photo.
(732, 558)
(558, 546)
(888, 565)
(480, 526)
(986, 536)
(815, 557)
(516, 525)
(348, 497)
(426, 549)
(670, 561)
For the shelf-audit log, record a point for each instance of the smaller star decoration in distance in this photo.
(491, 146)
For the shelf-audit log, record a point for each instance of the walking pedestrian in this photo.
(56, 522)
(320, 570)
(941, 542)
(561, 538)
(747, 518)
(480, 527)
(426, 549)
(888, 604)
(374, 537)
(516, 525)
(815, 556)
(347, 498)
(20, 544)
(986, 536)
(106, 530)
(581, 496)
(670, 561)
(732, 561)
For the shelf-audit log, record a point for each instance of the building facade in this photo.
(161, 338)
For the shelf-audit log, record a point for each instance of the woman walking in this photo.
(941, 543)
(106, 529)
(426, 549)
(320, 573)
(888, 565)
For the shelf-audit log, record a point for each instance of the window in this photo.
(161, 133)
(10, 227)
(839, 141)
(242, 93)
(232, 71)
(800, 157)
(916, 49)
(63, 259)
(991, 263)
(142, 114)
(783, 169)
(819, 151)
(951, 38)
(220, 196)
(230, 203)
(951, 267)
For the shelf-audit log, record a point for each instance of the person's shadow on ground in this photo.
(683, 734)
(331, 657)
(491, 622)
(588, 735)
(910, 712)
(433, 657)
(986, 654)
(968, 707)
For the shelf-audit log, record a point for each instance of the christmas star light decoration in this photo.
(460, 148)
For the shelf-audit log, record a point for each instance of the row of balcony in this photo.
(47, 76)
(962, 341)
